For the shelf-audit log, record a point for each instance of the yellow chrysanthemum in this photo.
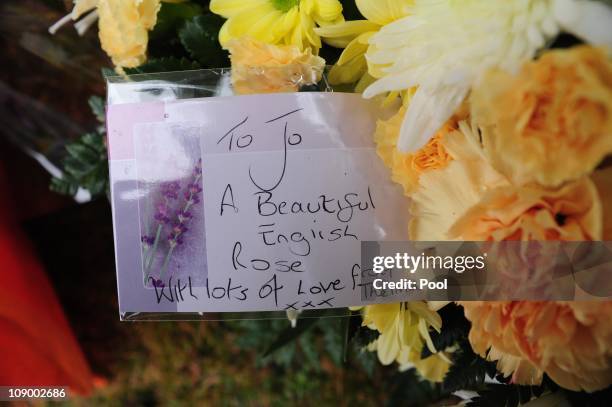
(354, 36)
(276, 21)
(404, 330)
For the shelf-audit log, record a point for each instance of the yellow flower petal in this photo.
(230, 8)
(327, 10)
(353, 50)
(148, 10)
(383, 12)
(349, 72)
(123, 30)
(255, 24)
(349, 29)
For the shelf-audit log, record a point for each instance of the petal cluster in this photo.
(569, 341)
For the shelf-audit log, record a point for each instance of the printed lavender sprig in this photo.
(169, 192)
(177, 220)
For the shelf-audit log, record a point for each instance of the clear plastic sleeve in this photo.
(249, 206)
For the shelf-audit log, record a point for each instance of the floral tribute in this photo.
(503, 131)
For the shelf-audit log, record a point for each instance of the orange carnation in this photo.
(552, 122)
(569, 341)
(406, 168)
(263, 68)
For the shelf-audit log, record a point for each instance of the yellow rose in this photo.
(124, 27)
(258, 67)
(553, 121)
(569, 341)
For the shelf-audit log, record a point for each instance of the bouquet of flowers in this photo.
(503, 131)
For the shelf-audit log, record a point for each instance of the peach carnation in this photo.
(406, 168)
(569, 341)
(263, 68)
(444, 195)
(572, 212)
(553, 121)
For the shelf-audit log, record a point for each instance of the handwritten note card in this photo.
(289, 186)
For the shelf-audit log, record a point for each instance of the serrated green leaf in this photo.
(171, 16)
(82, 153)
(85, 165)
(199, 36)
(468, 370)
(94, 141)
(365, 336)
(166, 64)
(98, 108)
(63, 186)
(455, 327)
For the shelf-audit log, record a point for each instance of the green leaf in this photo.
(64, 186)
(166, 64)
(200, 35)
(364, 336)
(108, 72)
(288, 335)
(98, 108)
(85, 166)
(82, 152)
(408, 389)
(171, 16)
(468, 370)
(455, 327)
(349, 325)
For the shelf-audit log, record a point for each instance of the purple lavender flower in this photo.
(184, 216)
(192, 192)
(174, 240)
(181, 216)
(175, 237)
(178, 229)
(147, 241)
(197, 170)
(170, 190)
(162, 213)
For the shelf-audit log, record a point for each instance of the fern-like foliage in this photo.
(85, 165)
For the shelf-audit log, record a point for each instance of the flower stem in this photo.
(149, 261)
(166, 261)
